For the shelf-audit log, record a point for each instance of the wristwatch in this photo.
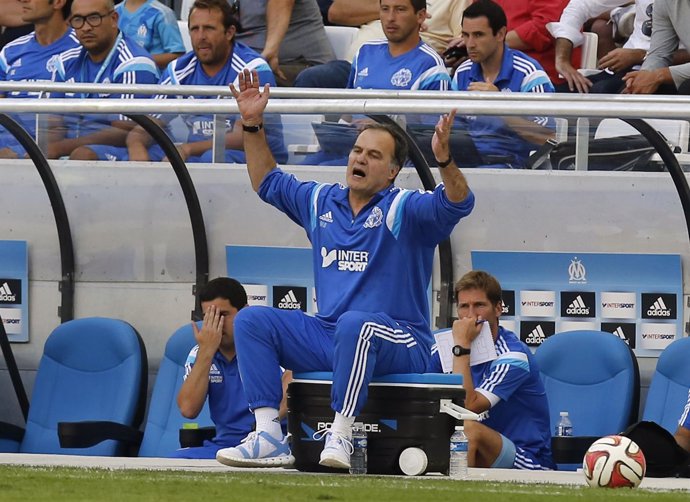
(460, 351)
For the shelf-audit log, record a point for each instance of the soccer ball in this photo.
(614, 462)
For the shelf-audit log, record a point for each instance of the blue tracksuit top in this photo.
(379, 261)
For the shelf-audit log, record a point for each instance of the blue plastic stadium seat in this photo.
(161, 433)
(668, 391)
(593, 376)
(92, 369)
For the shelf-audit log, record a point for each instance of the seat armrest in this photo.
(190, 438)
(570, 449)
(11, 432)
(89, 433)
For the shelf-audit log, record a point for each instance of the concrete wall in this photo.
(134, 250)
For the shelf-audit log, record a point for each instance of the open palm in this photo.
(250, 99)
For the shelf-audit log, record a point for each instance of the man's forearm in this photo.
(278, 14)
(260, 160)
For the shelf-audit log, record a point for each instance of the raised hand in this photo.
(440, 142)
(208, 338)
(250, 99)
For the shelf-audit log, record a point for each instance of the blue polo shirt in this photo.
(519, 73)
(378, 261)
(227, 402)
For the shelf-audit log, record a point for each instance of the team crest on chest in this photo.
(375, 218)
(401, 78)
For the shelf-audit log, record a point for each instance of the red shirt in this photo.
(529, 18)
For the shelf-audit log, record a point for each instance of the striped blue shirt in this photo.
(373, 67)
(491, 135)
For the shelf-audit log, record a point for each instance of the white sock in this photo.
(267, 421)
(343, 425)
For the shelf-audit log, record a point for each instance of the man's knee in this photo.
(83, 153)
(249, 321)
(352, 324)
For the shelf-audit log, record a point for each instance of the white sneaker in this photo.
(336, 452)
(258, 449)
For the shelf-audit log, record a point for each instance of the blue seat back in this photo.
(161, 434)
(593, 376)
(91, 369)
(668, 391)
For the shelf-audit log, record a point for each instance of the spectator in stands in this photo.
(105, 56)
(682, 434)
(514, 429)
(154, 27)
(211, 371)
(616, 63)
(217, 59)
(494, 67)
(369, 239)
(527, 32)
(12, 24)
(289, 34)
(441, 25)
(660, 74)
(32, 58)
(402, 61)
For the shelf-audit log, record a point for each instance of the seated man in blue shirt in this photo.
(211, 370)
(217, 59)
(494, 67)
(514, 428)
(105, 57)
(31, 58)
(369, 238)
(154, 27)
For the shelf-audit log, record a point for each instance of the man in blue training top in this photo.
(105, 57)
(32, 57)
(403, 60)
(514, 428)
(492, 67)
(211, 370)
(154, 27)
(373, 247)
(216, 60)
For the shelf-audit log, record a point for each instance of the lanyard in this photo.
(102, 68)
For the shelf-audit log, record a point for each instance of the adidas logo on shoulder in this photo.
(327, 217)
(290, 302)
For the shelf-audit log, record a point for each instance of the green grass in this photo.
(23, 484)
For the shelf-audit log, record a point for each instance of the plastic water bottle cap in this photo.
(413, 461)
(564, 413)
(190, 425)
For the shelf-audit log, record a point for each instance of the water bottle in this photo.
(358, 459)
(458, 454)
(564, 426)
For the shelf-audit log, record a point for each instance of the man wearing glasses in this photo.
(105, 57)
